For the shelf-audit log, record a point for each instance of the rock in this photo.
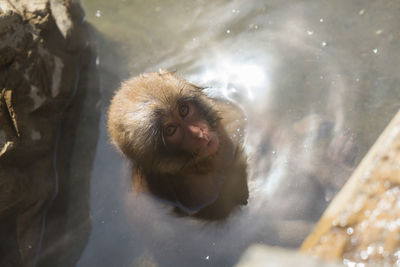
(362, 224)
(43, 46)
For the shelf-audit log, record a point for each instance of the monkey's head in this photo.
(165, 124)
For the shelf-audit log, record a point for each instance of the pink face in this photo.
(187, 130)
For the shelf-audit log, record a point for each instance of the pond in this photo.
(296, 65)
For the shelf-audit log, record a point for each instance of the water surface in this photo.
(281, 61)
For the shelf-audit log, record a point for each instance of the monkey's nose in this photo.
(197, 132)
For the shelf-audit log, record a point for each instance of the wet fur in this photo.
(135, 127)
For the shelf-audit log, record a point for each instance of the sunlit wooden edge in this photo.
(344, 197)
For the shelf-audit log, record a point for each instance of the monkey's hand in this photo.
(343, 148)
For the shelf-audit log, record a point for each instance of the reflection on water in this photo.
(316, 79)
(231, 78)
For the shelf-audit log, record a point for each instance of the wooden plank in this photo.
(362, 224)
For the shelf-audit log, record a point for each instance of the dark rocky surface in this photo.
(46, 72)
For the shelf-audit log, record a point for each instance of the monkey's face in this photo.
(185, 129)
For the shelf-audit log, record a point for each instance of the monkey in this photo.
(186, 147)
(301, 166)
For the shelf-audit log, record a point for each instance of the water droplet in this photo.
(392, 226)
(349, 263)
(350, 231)
(228, 31)
(98, 13)
(370, 250)
(364, 255)
(324, 43)
(397, 254)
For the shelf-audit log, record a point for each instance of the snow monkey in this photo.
(186, 147)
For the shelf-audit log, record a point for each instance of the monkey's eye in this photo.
(183, 110)
(169, 130)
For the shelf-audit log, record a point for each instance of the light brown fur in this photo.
(134, 125)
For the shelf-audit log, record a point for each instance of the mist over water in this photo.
(281, 61)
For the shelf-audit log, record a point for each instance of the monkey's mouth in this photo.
(211, 142)
(212, 146)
